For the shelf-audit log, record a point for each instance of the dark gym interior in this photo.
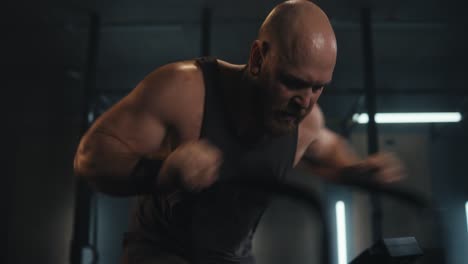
(66, 62)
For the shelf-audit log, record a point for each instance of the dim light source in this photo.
(341, 232)
(429, 117)
(466, 213)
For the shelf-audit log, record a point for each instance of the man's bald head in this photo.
(299, 30)
(290, 63)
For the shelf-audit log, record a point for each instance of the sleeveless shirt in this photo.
(216, 225)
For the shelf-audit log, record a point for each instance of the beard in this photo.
(277, 119)
(275, 115)
(280, 123)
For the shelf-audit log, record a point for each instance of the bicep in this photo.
(330, 151)
(116, 141)
(141, 120)
(137, 128)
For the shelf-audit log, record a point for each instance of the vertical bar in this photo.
(466, 215)
(341, 232)
(370, 97)
(205, 39)
(91, 68)
(83, 194)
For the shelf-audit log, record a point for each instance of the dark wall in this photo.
(44, 105)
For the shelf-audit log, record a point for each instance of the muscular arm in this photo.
(328, 153)
(138, 126)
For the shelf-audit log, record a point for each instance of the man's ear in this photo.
(256, 57)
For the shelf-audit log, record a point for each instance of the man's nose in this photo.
(304, 98)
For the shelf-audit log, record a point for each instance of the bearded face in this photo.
(287, 84)
(276, 104)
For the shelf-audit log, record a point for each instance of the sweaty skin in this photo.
(276, 91)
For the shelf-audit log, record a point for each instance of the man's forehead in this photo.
(304, 74)
(302, 57)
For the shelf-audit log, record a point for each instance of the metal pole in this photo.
(205, 39)
(83, 194)
(370, 98)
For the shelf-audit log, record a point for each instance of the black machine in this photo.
(402, 250)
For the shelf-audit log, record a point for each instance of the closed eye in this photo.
(315, 88)
(295, 83)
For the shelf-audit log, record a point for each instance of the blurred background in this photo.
(65, 62)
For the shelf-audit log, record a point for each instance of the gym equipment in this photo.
(402, 250)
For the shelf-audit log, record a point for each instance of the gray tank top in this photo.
(217, 224)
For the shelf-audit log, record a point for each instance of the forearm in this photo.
(339, 163)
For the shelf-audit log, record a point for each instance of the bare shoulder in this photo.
(312, 124)
(171, 91)
(180, 79)
(175, 74)
(309, 131)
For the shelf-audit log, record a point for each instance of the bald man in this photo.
(191, 125)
